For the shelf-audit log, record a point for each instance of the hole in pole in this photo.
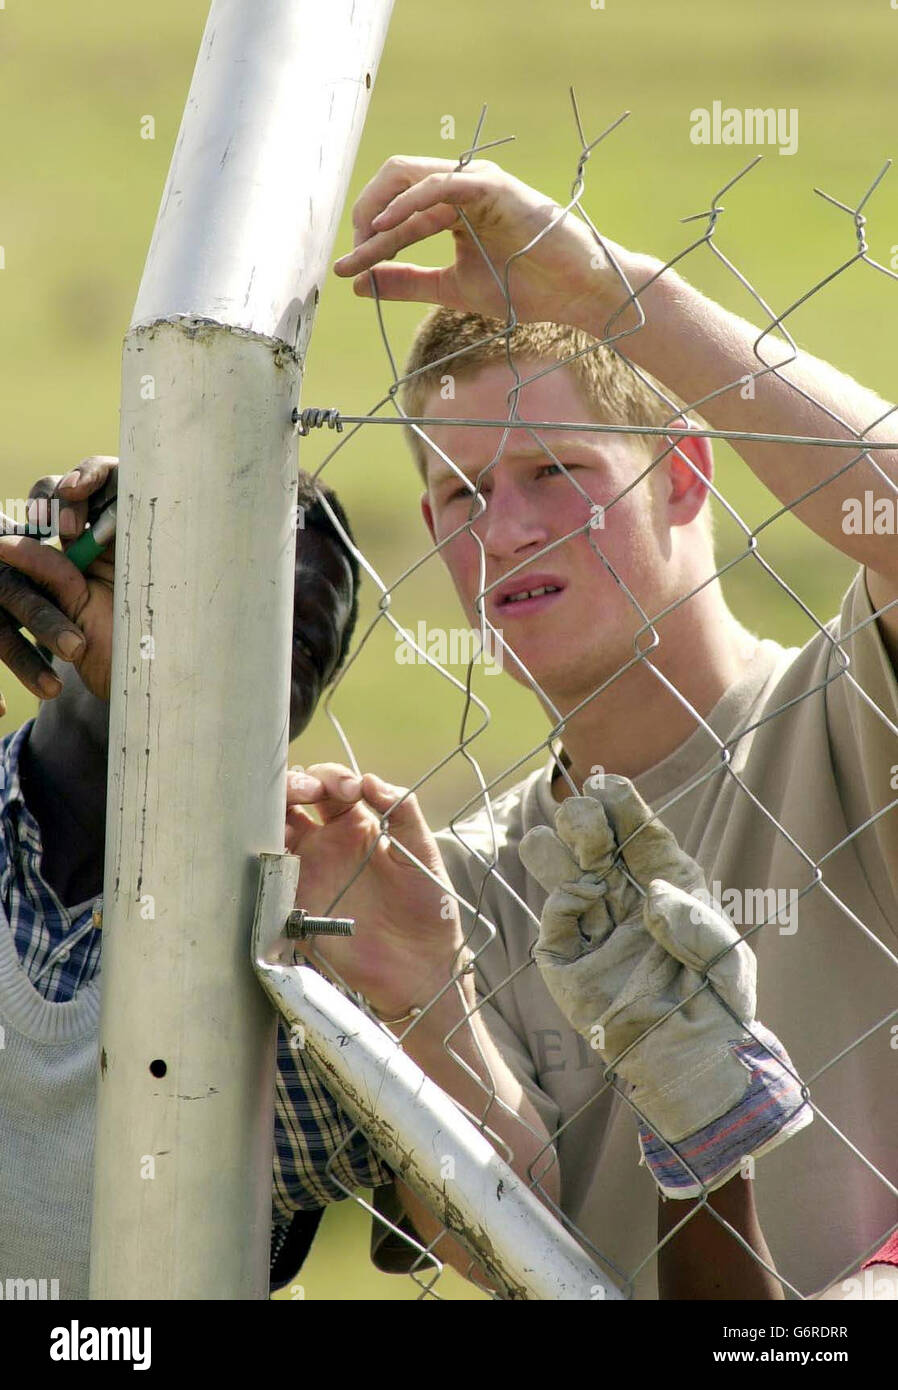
(368, 80)
(158, 1068)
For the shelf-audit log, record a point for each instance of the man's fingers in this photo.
(23, 559)
(42, 506)
(582, 824)
(574, 920)
(546, 858)
(383, 246)
(651, 850)
(440, 191)
(94, 483)
(412, 284)
(72, 518)
(90, 475)
(332, 788)
(53, 511)
(26, 663)
(297, 828)
(695, 934)
(84, 492)
(689, 930)
(48, 569)
(407, 824)
(417, 227)
(408, 204)
(81, 494)
(46, 486)
(397, 173)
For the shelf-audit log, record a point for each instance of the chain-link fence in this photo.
(776, 769)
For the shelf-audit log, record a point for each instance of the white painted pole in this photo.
(203, 618)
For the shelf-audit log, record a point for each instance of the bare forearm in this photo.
(704, 1260)
(695, 347)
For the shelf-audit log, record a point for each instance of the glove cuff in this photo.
(772, 1109)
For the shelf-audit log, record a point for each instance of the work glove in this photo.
(626, 936)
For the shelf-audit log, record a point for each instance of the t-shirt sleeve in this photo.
(862, 719)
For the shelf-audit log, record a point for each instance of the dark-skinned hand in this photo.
(67, 612)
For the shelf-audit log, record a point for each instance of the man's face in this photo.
(321, 608)
(571, 639)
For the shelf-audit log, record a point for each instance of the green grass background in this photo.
(78, 200)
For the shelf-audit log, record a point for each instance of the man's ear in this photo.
(427, 513)
(690, 468)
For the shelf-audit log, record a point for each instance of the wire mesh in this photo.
(827, 1199)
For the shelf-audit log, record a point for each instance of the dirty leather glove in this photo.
(616, 960)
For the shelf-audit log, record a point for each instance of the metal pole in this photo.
(203, 619)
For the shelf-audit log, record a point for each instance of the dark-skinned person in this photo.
(52, 835)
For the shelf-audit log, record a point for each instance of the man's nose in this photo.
(511, 522)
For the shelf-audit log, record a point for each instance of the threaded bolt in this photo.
(301, 925)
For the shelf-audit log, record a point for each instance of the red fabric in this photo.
(886, 1255)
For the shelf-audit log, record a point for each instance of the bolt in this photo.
(301, 925)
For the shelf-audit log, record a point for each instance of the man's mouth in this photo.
(518, 597)
(524, 594)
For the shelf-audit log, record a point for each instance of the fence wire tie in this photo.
(314, 418)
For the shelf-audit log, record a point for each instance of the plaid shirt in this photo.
(59, 948)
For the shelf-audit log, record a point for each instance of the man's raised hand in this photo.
(564, 278)
(68, 612)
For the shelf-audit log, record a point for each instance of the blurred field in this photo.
(81, 188)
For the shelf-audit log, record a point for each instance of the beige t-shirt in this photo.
(804, 805)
